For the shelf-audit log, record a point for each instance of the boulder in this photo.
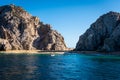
(4, 45)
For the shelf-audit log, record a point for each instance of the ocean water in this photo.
(59, 67)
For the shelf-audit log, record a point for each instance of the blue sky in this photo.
(71, 18)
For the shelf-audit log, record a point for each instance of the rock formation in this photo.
(21, 31)
(103, 35)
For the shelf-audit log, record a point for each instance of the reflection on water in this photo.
(17, 67)
(59, 67)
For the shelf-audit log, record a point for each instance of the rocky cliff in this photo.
(103, 35)
(21, 31)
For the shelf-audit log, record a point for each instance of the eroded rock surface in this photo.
(103, 35)
(23, 31)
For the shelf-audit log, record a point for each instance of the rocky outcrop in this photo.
(103, 35)
(49, 39)
(22, 31)
(4, 45)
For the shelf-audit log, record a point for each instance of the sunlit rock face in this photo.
(21, 31)
(103, 35)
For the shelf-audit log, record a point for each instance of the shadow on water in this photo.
(59, 67)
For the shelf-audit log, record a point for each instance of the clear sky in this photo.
(71, 18)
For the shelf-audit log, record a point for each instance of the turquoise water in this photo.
(59, 67)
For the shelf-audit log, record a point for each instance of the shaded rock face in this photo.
(103, 35)
(4, 45)
(21, 31)
(49, 39)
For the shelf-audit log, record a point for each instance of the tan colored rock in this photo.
(4, 45)
(49, 39)
(25, 32)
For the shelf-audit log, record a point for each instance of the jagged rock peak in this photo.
(22, 31)
(12, 7)
(103, 35)
(15, 11)
(112, 13)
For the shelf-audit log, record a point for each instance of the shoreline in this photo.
(32, 52)
(96, 52)
(56, 52)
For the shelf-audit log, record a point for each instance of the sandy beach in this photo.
(32, 52)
